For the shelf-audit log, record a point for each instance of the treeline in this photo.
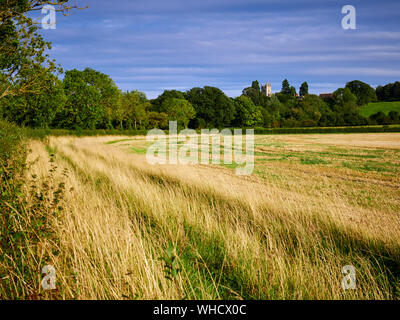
(389, 92)
(89, 99)
(287, 109)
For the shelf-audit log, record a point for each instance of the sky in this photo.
(157, 45)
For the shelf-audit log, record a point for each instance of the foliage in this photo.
(285, 87)
(247, 114)
(24, 217)
(389, 92)
(35, 110)
(171, 263)
(212, 105)
(293, 92)
(89, 100)
(380, 118)
(133, 108)
(364, 92)
(158, 120)
(254, 93)
(346, 109)
(91, 97)
(24, 62)
(303, 89)
(179, 110)
(375, 107)
(156, 104)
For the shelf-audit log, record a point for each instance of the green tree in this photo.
(167, 94)
(253, 92)
(313, 107)
(345, 98)
(133, 107)
(90, 97)
(364, 92)
(285, 87)
(380, 93)
(179, 110)
(273, 104)
(345, 105)
(293, 92)
(256, 85)
(35, 110)
(266, 118)
(389, 92)
(213, 106)
(303, 89)
(380, 118)
(157, 120)
(394, 117)
(23, 58)
(247, 114)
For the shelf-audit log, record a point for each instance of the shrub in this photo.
(12, 165)
(24, 225)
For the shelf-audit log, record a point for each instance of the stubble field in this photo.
(314, 204)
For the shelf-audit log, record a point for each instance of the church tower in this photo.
(266, 89)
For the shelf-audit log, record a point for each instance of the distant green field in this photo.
(375, 107)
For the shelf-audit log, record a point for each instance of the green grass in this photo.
(308, 160)
(116, 141)
(375, 107)
(139, 150)
(367, 166)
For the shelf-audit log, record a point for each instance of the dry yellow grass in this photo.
(283, 233)
(370, 140)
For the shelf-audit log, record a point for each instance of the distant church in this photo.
(266, 89)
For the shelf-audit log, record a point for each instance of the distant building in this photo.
(326, 95)
(266, 89)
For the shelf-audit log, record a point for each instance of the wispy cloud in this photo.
(378, 72)
(153, 45)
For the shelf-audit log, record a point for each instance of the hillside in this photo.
(375, 107)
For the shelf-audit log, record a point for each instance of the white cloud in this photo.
(352, 71)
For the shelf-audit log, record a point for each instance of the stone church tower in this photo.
(266, 89)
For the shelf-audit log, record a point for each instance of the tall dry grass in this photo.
(130, 230)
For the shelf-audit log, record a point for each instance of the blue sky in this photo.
(155, 45)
